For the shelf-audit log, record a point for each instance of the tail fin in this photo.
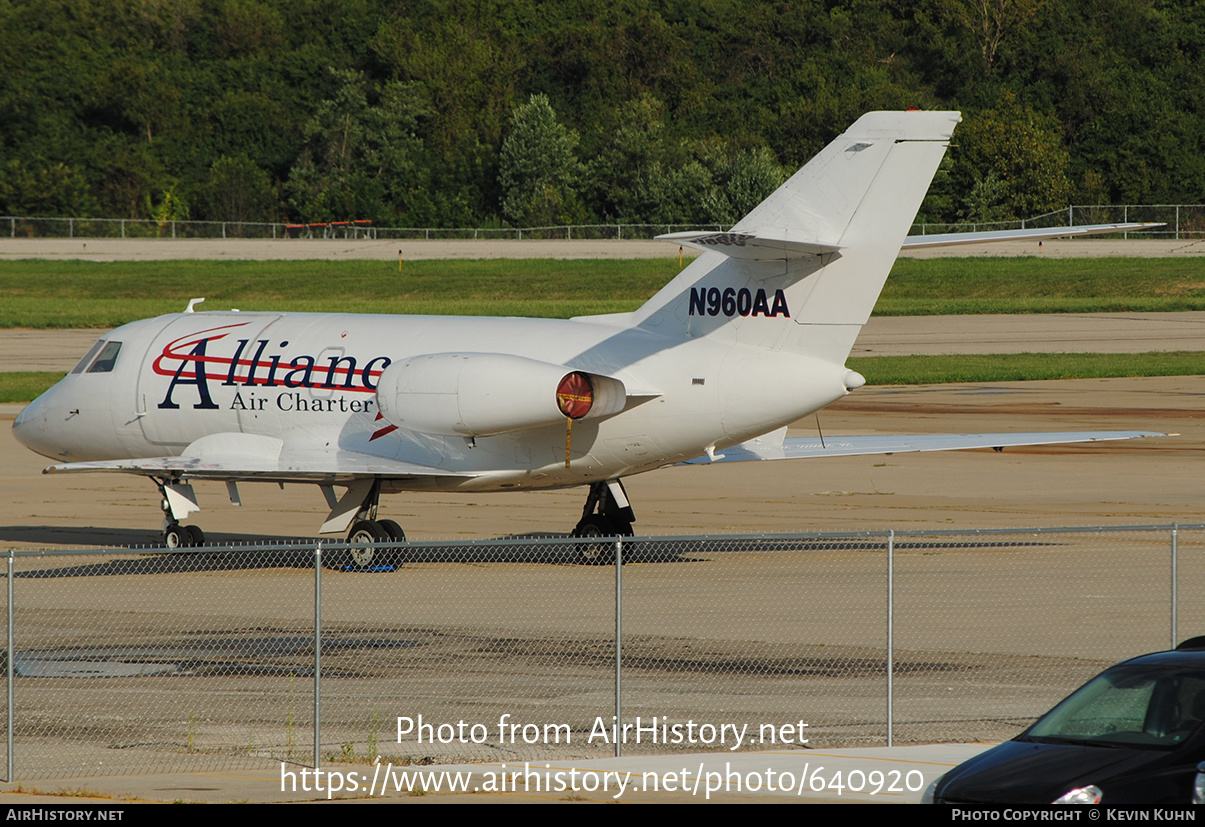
(803, 270)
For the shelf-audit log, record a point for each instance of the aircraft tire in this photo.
(600, 553)
(195, 535)
(177, 536)
(362, 558)
(393, 557)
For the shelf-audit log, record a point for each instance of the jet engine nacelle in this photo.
(478, 394)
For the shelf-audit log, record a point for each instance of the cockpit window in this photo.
(107, 358)
(87, 360)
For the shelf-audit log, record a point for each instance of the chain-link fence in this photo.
(123, 661)
(1183, 221)
(50, 227)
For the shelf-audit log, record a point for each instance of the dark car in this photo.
(1133, 735)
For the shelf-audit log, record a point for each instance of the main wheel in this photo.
(364, 535)
(393, 557)
(196, 535)
(177, 536)
(393, 530)
(601, 553)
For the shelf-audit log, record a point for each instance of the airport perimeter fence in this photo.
(84, 228)
(129, 661)
(1183, 221)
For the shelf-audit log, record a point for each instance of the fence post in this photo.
(317, 653)
(8, 677)
(1177, 222)
(1175, 606)
(890, 633)
(618, 642)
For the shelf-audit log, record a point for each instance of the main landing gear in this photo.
(366, 531)
(179, 500)
(607, 513)
(183, 536)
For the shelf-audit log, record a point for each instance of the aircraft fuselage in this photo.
(313, 379)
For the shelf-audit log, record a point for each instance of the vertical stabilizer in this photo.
(803, 270)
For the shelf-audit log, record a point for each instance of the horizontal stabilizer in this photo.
(758, 245)
(775, 446)
(917, 242)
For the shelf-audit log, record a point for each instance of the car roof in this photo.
(1174, 658)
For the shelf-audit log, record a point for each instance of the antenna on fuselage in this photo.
(191, 304)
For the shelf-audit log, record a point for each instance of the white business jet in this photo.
(751, 336)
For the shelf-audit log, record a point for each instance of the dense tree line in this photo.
(478, 112)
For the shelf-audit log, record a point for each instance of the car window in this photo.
(1128, 708)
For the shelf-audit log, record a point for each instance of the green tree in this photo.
(988, 22)
(171, 207)
(629, 178)
(1010, 163)
(236, 190)
(740, 181)
(56, 189)
(538, 168)
(359, 159)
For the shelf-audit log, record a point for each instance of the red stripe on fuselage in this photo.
(178, 350)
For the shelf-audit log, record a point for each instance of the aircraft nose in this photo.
(30, 427)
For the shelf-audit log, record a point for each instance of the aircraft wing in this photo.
(777, 446)
(916, 242)
(235, 456)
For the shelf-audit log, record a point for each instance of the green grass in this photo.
(946, 286)
(889, 370)
(72, 294)
(76, 294)
(22, 386)
(1013, 367)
